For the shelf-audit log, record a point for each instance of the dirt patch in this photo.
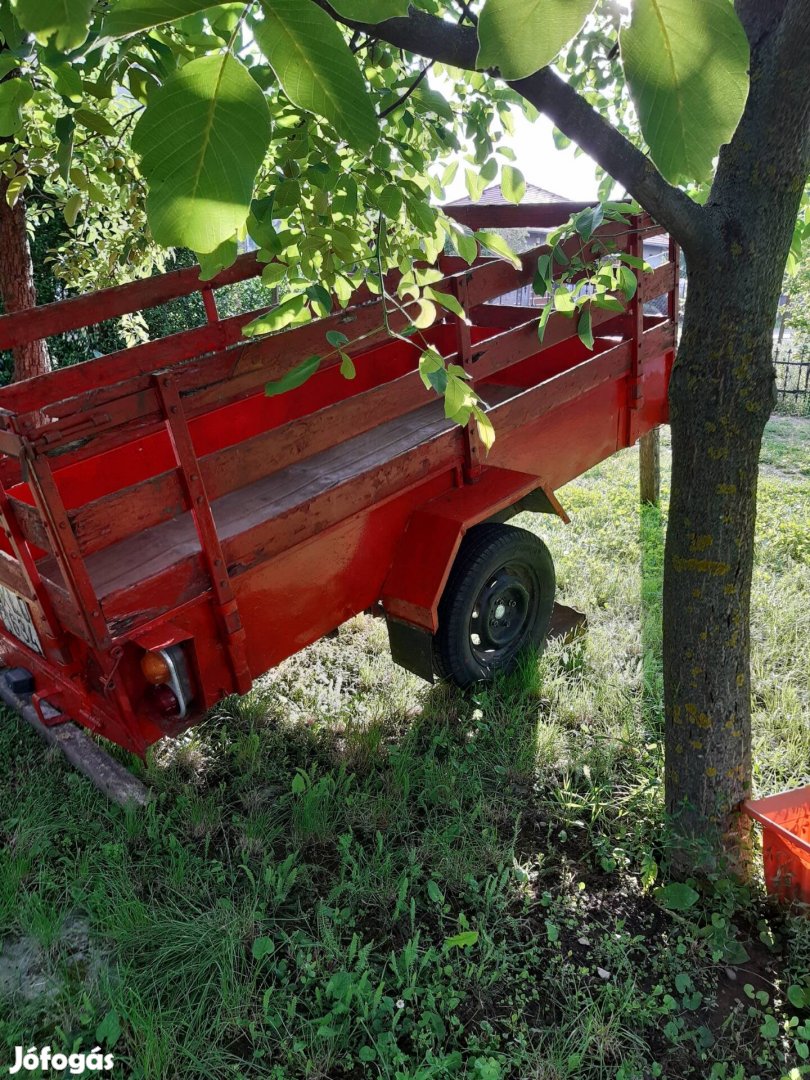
(30, 972)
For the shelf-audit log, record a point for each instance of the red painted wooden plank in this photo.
(489, 279)
(661, 280)
(516, 344)
(129, 511)
(30, 522)
(20, 327)
(95, 381)
(12, 576)
(526, 215)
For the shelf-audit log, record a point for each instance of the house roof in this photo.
(493, 196)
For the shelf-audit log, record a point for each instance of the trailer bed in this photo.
(158, 499)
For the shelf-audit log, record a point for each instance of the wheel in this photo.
(497, 602)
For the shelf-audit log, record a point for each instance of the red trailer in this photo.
(170, 532)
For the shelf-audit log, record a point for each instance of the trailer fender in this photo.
(425, 554)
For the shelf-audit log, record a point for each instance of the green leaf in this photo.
(273, 273)
(445, 300)
(797, 997)
(677, 897)
(316, 68)
(202, 139)
(466, 246)
(95, 121)
(486, 432)
(587, 220)
(543, 275)
(336, 339)
(371, 11)
(770, 1028)
(61, 23)
(543, 321)
(426, 316)
(564, 300)
(474, 183)
(627, 281)
(16, 186)
(458, 399)
(8, 61)
(496, 243)
(519, 39)
(434, 892)
(513, 184)
(461, 941)
(72, 208)
(109, 1030)
(129, 16)
(432, 371)
(688, 77)
(585, 328)
(219, 259)
(735, 953)
(263, 946)
(300, 783)
(64, 129)
(294, 378)
(290, 313)
(431, 101)
(67, 81)
(14, 93)
(389, 200)
(347, 368)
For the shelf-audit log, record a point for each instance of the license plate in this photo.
(16, 617)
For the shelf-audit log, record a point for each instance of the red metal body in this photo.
(156, 496)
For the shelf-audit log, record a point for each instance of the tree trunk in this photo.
(721, 395)
(17, 281)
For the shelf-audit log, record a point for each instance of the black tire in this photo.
(497, 603)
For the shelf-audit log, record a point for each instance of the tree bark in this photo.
(17, 281)
(721, 395)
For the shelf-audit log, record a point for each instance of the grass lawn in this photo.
(348, 874)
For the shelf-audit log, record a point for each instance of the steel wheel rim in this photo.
(502, 615)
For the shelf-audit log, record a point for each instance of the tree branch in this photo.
(404, 97)
(552, 95)
(455, 45)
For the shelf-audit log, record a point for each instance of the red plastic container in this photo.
(785, 821)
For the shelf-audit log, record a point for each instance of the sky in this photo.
(542, 163)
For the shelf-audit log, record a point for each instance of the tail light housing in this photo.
(167, 670)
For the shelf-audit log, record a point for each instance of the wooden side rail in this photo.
(522, 216)
(20, 328)
(90, 412)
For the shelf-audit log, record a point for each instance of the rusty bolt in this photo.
(200, 500)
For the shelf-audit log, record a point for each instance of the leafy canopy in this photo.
(329, 148)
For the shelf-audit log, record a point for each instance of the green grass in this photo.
(348, 874)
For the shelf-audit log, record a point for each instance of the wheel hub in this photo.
(500, 613)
